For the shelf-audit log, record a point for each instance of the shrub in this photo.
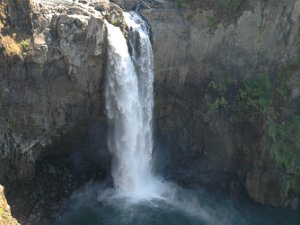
(11, 47)
(1, 212)
(25, 44)
(256, 94)
(182, 3)
(284, 141)
(261, 99)
(212, 21)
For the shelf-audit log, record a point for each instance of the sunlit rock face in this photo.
(6, 217)
(53, 89)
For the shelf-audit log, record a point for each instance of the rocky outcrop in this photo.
(52, 89)
(5, 213)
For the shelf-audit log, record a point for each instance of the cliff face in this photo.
(5, 213)
(227, 95)
(227, 89)
(51, 89)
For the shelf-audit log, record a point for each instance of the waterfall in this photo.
(129, 106)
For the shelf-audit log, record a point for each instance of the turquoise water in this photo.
(188, 207)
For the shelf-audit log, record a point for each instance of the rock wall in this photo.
(227, 86)
(51, 90)
(5, 213)
(226, 89)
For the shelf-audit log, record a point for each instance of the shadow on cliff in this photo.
(59, 174)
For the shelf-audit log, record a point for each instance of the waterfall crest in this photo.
(129, 106)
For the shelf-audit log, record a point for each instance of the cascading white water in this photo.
(129, 105)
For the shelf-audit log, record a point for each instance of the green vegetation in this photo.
(10, 122)
(284, 141)
(218, 103)
(1, 212)
(256, 94)
(251, 96)
(182, 3)
(212, 21)
(13, 47)
(216, 95)
(12, 43)
(261, 100)
(291, 184)
(116, 20)
(25, 44)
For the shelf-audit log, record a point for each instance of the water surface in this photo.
(94, 206)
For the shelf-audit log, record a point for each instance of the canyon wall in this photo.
(227, 95)
(51, 81)
(227, 89)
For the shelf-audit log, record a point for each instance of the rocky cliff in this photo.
(227, 94)
(52, 59)
(52, 86)
(5, 213)
(227, 88)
